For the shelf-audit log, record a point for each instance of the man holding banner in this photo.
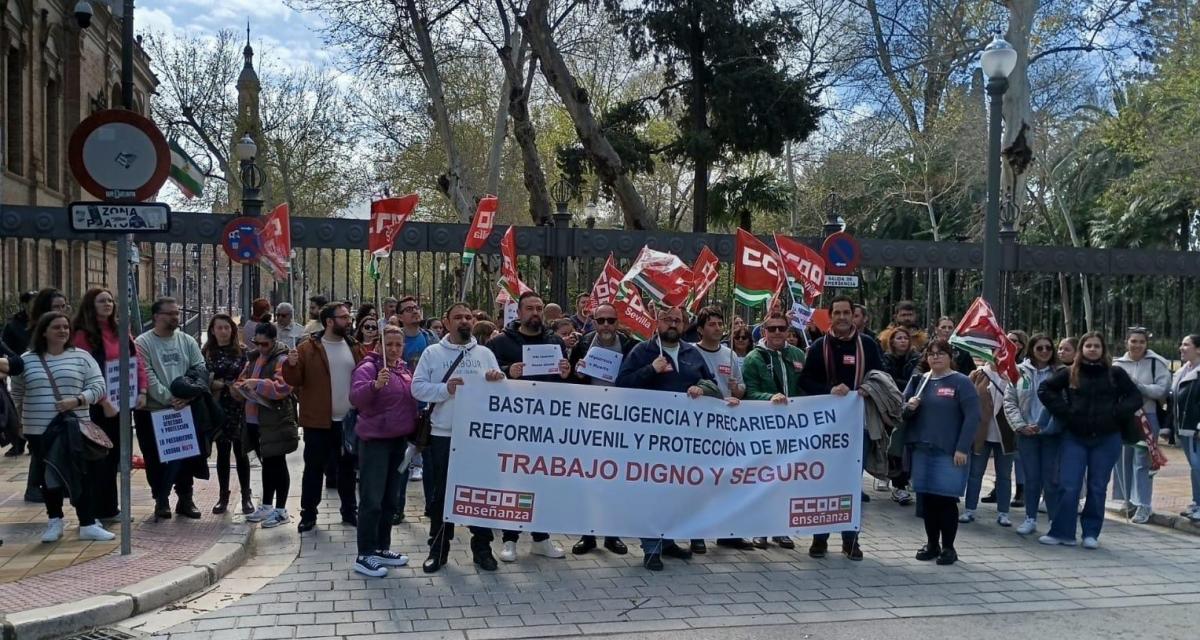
(527, 336)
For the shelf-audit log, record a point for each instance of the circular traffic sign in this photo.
(118, 155)
(240, 240)
(842, 253)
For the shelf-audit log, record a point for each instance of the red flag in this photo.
(980, 335)
(276, 241)
(757, 273)
(509, 280)
(387, 217)
(704, 277)
(632, 312)
(663, 276)
(607, 284)
(804, 268)
(481, 227)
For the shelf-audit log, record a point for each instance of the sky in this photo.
(287, 34)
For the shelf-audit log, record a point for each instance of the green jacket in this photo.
(765, 371)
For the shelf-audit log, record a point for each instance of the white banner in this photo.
(175, 434)
(564, 458)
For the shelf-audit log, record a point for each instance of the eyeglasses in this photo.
(605, 320)
(410, 309)
(345, 317)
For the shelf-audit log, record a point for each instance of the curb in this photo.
(230, 551)
(1178, 523)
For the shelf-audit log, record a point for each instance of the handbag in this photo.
(96, 443)
(424, 430)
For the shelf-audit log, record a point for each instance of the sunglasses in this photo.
(605, 320)
(1044, 347)
(775, 329)
(370, 327)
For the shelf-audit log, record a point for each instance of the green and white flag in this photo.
(185, 173)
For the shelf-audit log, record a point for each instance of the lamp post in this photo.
(998, 61)
(559, 240)
(833, 216)
(246, 151)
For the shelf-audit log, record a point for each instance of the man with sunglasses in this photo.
(606, 336)
(289, 331)
(321, 367)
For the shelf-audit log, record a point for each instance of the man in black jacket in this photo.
(607, 337)
(508, 347)
(837, 363)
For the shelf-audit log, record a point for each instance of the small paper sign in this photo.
(602, 364)
(540, 359)
(175, 434)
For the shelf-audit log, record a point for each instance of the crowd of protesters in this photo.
(354, 382)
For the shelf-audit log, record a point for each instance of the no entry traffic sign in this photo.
(842, 253)
(240, 240)
(118, 155)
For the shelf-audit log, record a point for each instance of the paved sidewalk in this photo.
(1000, 572)
(35, 575)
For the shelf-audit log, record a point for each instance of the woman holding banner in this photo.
(96, 332)
(942, 414)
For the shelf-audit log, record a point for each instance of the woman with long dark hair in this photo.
(96, 332)
(225, 359)
(1093, 400)
(59, 378)
(741, 343)
(368, 333)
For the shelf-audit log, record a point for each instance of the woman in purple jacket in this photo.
(387, 415)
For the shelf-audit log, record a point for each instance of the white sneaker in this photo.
(1091, 543)
(390, 558)
(1142, 515)
(1042, 506)
(277, 517)
(415, 474)
(261, 513)
(409, 453)
(93, 532)
(54, 530)
(902, 497)
(1051, 540)
(509, 552)
(1003, 520)
(1027, 527)
(968, 515)
(548, 548)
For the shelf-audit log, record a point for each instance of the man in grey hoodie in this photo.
(1132, 480)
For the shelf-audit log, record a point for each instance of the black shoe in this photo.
(307, 523)
(698, 547)
(865, 497)
(928, 553)
(485, 560)
(585, 544)
(433, 562)
(818, 549)
(989, 498)
(676, 551)
(741, 544)
(186, 508)
(222, 504)
(162, 511)
(852, 551)
(948, 556)
(616, 546)
(350, 519)
(653, 561)
(397, 518)
(784, 542)
(247, 504)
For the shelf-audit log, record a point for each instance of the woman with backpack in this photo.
(270, 429)
(1133, 483)
(1095, 403)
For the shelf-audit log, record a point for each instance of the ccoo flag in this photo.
(276, 241)
(804, 267)
(757, 272)
(481, 227)
(510, 281)
(387, 217)
(663, 276)
(704, 277)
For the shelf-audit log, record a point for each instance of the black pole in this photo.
(991, 228)
(127, 302)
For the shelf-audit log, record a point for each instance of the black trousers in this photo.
(160, 476)
(226, 447)
(84, 503)
(378, 483)
(104, 485)
(437, 464)
(320, 445)
(941, 520)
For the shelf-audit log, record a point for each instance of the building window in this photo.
(14, 104)
(53, 136)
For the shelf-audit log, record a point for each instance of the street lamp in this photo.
(998, 61)
(247, 150)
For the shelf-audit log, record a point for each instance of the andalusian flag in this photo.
(980, 334)
(185, 173)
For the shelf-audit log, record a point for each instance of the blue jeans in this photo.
(1191, 449)
(1096, 457)
(1039, 456)
(1003, 466)
(1131, 478)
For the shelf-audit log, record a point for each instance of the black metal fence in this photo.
(1044, 286)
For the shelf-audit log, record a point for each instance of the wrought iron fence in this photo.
(1127, 287)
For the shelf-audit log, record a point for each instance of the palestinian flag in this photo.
(757, 271)
(980, 335)
(185, 173)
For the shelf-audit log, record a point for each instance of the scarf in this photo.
(827, 353)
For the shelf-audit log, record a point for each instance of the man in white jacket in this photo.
(434, 383)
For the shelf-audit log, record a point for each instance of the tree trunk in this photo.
(1064, 300)
(454, 182)
(700, 144)
(607, 163)
(500, 128)
(524, 132)
(941, 273)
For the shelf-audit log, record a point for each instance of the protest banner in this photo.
(112, 378)
(653, 464)
(175, 434)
